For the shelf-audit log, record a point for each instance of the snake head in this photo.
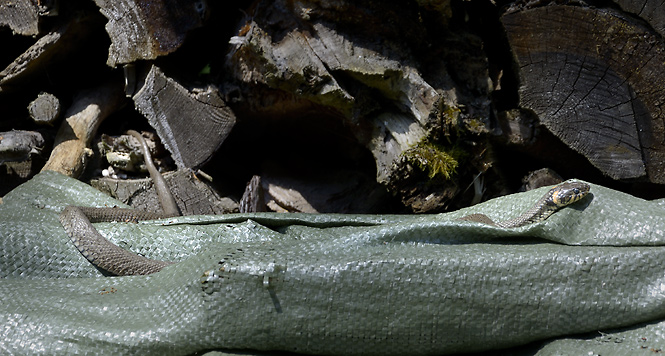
(569, 192)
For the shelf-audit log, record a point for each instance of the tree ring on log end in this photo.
(589, 75)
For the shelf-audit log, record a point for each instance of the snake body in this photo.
(102, 253)
(163, 193)
(556, 198)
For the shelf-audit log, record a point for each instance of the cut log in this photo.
(18, 145)
(17, 172)
(72, 142)
(22, 16)
(192, 125)
(193, 196)
(45, 109)
(591, 77)
(304, 62)
(148, 29)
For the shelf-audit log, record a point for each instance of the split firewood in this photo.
(332, 63)
(72, 150)
(343, 192)
(252, 199)
(192, 125)
(17, 145)
(193, 195)
(125, 156)
(142, 30)
(442, 103)
(19, 157)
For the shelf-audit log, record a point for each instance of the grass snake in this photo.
(326, 284)
(559, 196)
(105, 255)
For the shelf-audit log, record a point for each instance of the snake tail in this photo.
(101, 252)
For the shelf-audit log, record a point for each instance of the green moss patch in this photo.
(435, 159)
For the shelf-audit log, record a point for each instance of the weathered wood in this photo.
(17, 171)
(46, 52)
(252, 199)
(71, 149)
(304, 62)
(38, 53)
(518, 127)
(540, 178)
(18, 145)
(22, 16)
(45, 109)
(651, 11)
(192, 125)
(141, 29)
(124, 153)
(19, 157)
(345, 192)
(393, 75)
(391, 97)
(192, 195)
(590, 75)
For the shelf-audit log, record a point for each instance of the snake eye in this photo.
(576, 191)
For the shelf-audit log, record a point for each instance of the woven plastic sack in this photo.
(592, 275)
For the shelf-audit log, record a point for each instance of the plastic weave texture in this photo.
(337, 284)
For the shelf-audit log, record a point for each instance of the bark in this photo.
(22, 17)
(252, 198)
(141, 30)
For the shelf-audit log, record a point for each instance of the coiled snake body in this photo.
(77, 222)
(101, 252)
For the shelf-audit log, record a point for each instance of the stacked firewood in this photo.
(335, 106)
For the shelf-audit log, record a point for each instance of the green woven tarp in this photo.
(593, 275)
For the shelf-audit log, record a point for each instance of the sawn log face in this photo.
(590, 75)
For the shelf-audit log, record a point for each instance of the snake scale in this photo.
(77, 222)
(559, 196)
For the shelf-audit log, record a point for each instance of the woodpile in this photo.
(334, 106)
